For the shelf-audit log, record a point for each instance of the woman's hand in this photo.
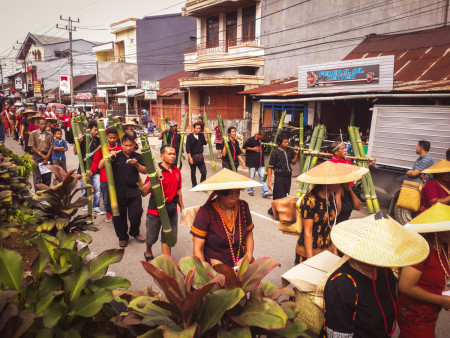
(446, 302)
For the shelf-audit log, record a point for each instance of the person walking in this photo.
(173, 139)
(126, 165)
(254, 160)
(423, 162)
(41, 143)
(171, 186)
(7, 123)
(194, 148)
(436, 189)
(236, 151)
(218, 140)
(280, 164)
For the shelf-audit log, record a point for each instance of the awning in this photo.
(131, 93)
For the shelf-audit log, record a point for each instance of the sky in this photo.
(41, 17)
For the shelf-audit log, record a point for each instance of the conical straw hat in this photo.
(434, 219)
(332, 173)
(224, 180)
(440, 167)
(379, 240)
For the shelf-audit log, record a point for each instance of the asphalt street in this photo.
(269, 241)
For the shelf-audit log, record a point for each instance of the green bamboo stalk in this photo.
(183, 130)
(280, 128)
(307, 162)
(85, 128)
(118, 126)
(302, 155)
(110, 120)
(157, 191)
(89, 155)
(208, 137)
(230, 157)
(163, 128)
(77, 132)
(108, 168)
(362, 153)
(365, 184)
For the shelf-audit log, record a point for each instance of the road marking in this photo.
(262, 216)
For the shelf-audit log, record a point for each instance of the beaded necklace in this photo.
(230, 235)
(439, 248)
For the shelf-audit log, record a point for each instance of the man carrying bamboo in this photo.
(236, 152)
(254, 159)
(126, 165)
(171, 186)
(194, 148)
(280, 163)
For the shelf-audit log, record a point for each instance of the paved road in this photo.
(268, 240)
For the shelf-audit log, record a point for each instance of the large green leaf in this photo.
(201, 276)
(170, 332)
(53, 314)
(49, 284)
(11, 271)
(169, 266)
(70, 333)
(75, 282)
(46, 247)
(98, 266)
(264, 313)
(90, 305)
(216, 305)
(256, 272)
(61, 222)
(66, 241)
(273, 292)
(45, 302)
(69, 255)
(292, 330)
(112, 283)
(156, 333)
(39, 264)
(243, 266)
(4, 296)
(145, 306)
(237, 332)
(231, 280)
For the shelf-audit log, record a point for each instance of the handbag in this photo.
(197, 158)
(409, 197)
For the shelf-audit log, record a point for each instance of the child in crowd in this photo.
(59, 149)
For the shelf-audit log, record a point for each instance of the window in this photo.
(61, 54)
(231, 28)
(248, 23)
(212, 31)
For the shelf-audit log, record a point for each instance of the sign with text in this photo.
(150, 85)
(358, 75)
(122, 100)
(84, 96)
(18, 83)
(101, 92)
(150, 95)
(37, 89)
(64, 84)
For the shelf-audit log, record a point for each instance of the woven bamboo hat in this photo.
(224, 180)
(379, 240)
(332, 173)
(440, 167)
(434, 219)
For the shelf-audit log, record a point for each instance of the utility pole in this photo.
(1, 75)
(71, 29)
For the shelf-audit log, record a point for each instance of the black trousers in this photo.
(227, 165)
(39, 178)
(202, 167)
(281, 188)
(133, 208)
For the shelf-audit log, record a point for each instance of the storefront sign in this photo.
(122, 100)
(64, 84)
(84, 96)
(37, 89)
(101, 92)
(18, 83)
(358, 75)
(150, 85)
(150, 95)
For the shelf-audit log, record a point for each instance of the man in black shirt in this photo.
(235, 150)
(126, 165)
(280, 163)
(194, 148)
(173, 139)
(254, 159)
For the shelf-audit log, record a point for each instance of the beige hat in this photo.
(440, 167)
(332, 173)
(224, 180)
(379, 240)
(434, 219)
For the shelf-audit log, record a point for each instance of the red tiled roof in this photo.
(422, 62)
(77, 81)
(170, 85)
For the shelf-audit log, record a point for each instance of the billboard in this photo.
(64, 84)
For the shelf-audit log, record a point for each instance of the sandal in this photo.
(139, 239)
(123, 243)
(148, 259)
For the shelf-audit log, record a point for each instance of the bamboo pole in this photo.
(163, 128)
(302, 154)
(157, 191)
(280, 128)
(208, 137)
(85, 128)
(118, 126)
(305, 167)
(183, 130)
(230, 157)
(373, 194)
(108, 168)
(365, 184)
(88, 155)
(110, 120)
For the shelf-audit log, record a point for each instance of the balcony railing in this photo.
(221, 46)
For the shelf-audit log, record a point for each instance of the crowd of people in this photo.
(361, 298)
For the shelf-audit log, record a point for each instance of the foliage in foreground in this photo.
(201, 300)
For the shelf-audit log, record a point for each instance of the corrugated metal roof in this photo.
(422, 62)
(131, 93)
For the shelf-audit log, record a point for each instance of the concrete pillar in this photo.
(258, 22)
(255, 117)
(222, 27)
(199, 31)
(193, 97)
(239, 25)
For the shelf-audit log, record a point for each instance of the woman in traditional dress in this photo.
(6, 118)
(421, 285)
(222, 228)
(436, 189)
(360, 294)
(319, 209)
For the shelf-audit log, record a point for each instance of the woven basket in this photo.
(291, 228)
(409, 197)
(309, 312)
